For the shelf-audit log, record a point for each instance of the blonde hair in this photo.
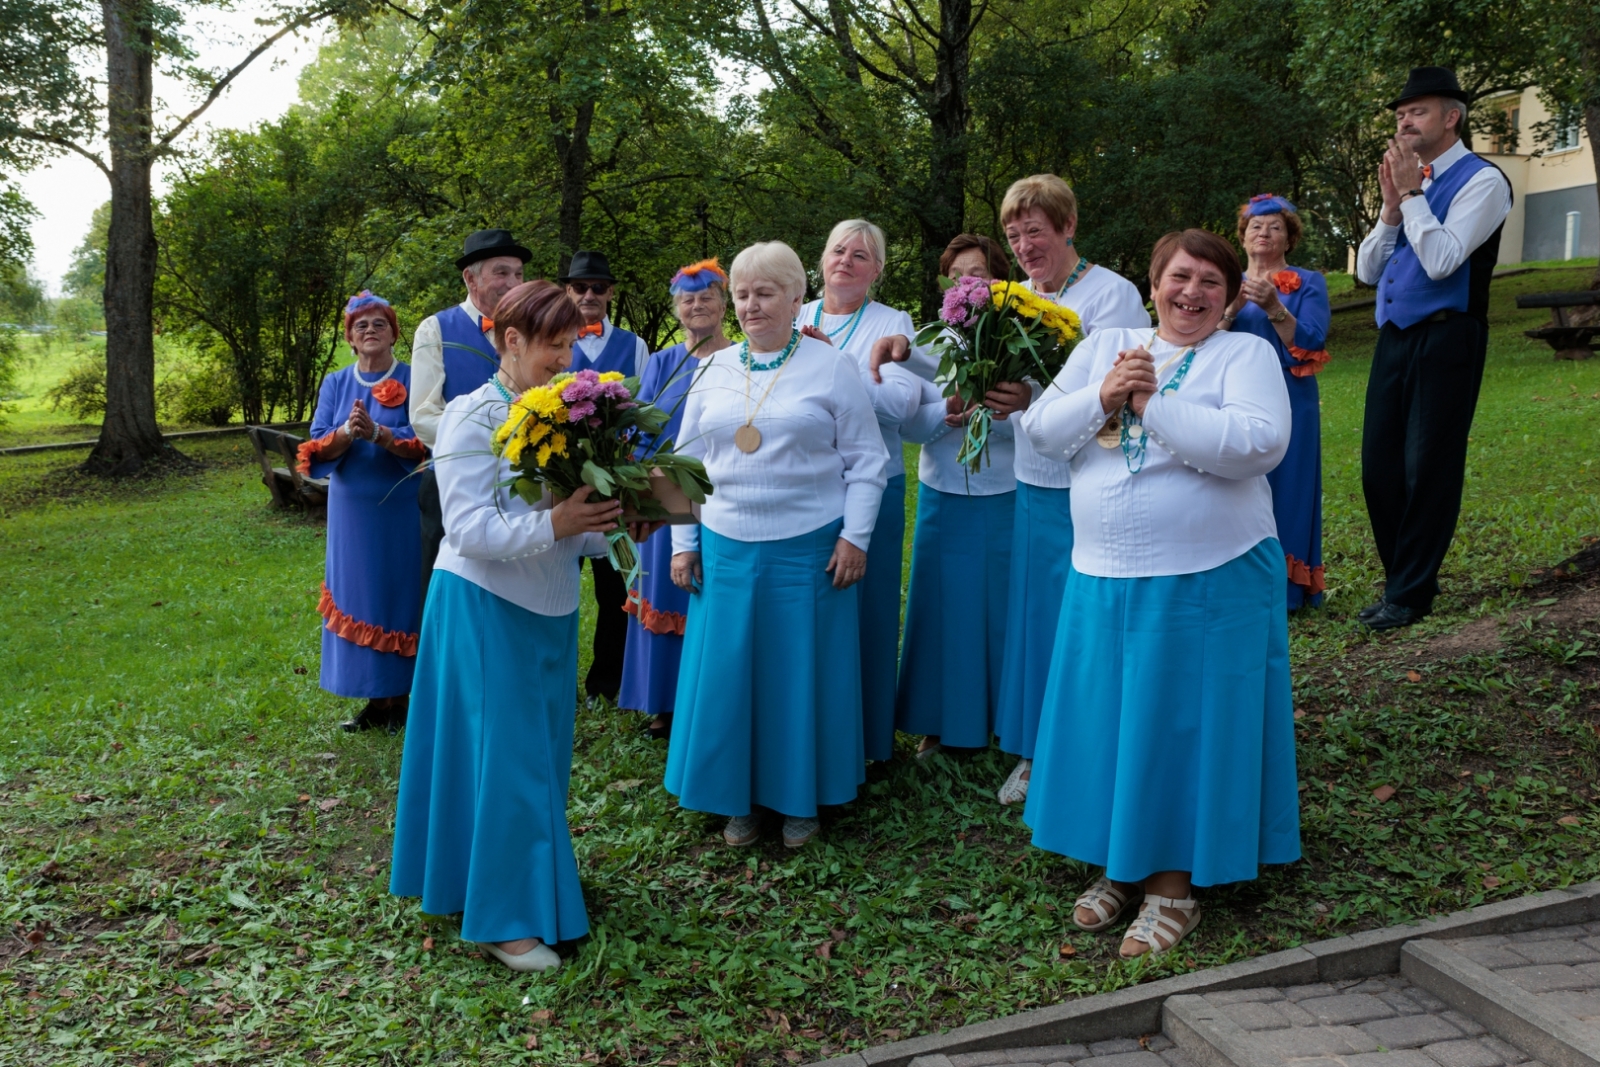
(771, 261)
(1048, 194)
(871, 235)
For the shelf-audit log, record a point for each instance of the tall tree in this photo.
(47, 106)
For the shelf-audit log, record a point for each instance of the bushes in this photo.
(83, 390)
(10, 364)
(190, 391)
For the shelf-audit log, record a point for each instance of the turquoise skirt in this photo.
(880, 620)
(1167, 740)
(769, 689)
(1041, 556)
(956, 617)
(481, 823)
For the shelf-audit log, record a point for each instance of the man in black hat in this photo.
(1431, 257)
(603, 347)
(451, 355)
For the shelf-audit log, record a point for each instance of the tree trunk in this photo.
(1591, 110)
(129, 437)
(943, 208)
(572, 149)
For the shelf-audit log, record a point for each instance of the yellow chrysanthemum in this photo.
(543, 455)
(545, 402)
(558, 444)
(513, 449)
(611, 376)
(513, 425)
(535, 432)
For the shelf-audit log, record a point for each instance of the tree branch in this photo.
(71, 146)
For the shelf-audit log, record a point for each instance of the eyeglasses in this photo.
(377, 326)
(597, 288)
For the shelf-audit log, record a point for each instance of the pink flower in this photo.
(579, 411)
(963, 301)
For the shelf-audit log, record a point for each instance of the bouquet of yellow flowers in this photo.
(587, 429)
(992, 332)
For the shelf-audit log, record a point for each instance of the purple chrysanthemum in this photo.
(963, 301)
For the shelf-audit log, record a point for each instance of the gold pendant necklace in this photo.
(747, 438)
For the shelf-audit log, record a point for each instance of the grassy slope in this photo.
(201, 855)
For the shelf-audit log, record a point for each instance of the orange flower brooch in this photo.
(390, 393)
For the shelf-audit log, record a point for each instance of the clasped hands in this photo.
(1006, 398)
(848, 565)
(1399, 172)
(1131, 381)
(576, 515)
(359, 426)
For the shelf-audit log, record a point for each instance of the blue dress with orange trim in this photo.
(371, 603)
(1297, 483)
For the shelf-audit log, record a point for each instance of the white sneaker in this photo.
(1015, 791)
(538, 959)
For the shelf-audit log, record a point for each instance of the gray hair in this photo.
(871, 235)
(771, 261)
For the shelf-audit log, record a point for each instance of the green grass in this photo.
(201, 855)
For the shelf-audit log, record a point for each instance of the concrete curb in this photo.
(1137, 1009)
(1208, 1036)
(1508, 1011)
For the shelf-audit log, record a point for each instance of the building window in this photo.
(1504, 142)
(1566, 128)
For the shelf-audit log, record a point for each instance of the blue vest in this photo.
(469, 355)
(619, 354)
(1406, 295)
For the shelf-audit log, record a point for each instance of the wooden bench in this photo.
(289, 488)
(1570, 340)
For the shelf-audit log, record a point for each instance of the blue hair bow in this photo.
(1269, 204)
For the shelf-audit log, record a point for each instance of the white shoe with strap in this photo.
(1105, 900)
(1158, 931)
(1015, 791)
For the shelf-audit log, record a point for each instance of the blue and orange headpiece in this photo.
(698, 276)
(1268, 204)
(366, 298)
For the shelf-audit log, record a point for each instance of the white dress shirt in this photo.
(1479, 207)
(426, 402)
(821, 455)
(937, 466)
(592, 345)
(1202, 497)
(493, 538)
(1103, 299)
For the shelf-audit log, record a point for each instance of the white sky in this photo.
(66, 192)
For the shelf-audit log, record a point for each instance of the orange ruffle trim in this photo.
(310, 450)
(410, 448)
(389, 393)
(363, 633)
(1310, 362)
(1287, 281)
(1305, 577)
(657, 622)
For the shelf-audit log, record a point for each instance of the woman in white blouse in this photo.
(1166, 748)
(768, 714)
(481, 825)
(849, 319)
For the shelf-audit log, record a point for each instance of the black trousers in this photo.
(610, 632)
(432, 524)
(1420, 399)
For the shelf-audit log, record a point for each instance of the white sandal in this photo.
(1161, 932)
(1015, 791)
(1105, 900)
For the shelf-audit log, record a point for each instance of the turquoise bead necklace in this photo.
(504, 392)
(750, 364)
(1135, 442)
(850, 325)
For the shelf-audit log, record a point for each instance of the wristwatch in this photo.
(1409, 193)
(1279, 315)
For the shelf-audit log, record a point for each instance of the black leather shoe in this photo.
(368, 718)
(1370, 610)
(396, 720)
(1392, 617)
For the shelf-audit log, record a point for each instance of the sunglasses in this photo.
(597, 288)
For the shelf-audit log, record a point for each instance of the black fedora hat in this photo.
(591, 265)
(486, 244)
(1429, 81)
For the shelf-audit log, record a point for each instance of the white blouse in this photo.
(492, 537)
(1103, 300)
(1201, 498)
(821, 455)
(896, 400)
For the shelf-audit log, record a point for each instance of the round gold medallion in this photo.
(1110, 435)
(747, 438)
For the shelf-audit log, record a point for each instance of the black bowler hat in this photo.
(487, 244)
(588, 265)
(1429, 81)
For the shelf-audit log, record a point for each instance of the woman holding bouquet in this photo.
(1288, 307)
(768, 713)
(481, 822)
(363, 443)
(655, 634)
(1166, 748)
(849, 319)
(955, 636)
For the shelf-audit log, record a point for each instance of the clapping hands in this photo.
(1131, 381)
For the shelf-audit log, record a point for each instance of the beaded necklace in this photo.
(1135, 442)
(1072, 279)
(771, 364)
(355, 370)
(747, 438)
(850, 324)
(498, 384)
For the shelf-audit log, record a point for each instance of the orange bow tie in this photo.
(592, 330)
(486, 325)
(1427, 170)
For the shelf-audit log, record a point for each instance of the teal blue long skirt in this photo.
(769, 689)
(956, 617)
(1167, 740)
(481, 824)
(880, 620)
(1041, 556)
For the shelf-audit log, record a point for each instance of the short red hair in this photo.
(538, 310)
(383, 309)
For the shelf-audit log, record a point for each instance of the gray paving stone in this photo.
(1403, 1058)
(1298, 993)
(1410, 1031)
(1256, 1016)
(979, 1059)
(1548, 933)
(1111, 1048)
(1562, 951)
(1347, 1008)
(1547, 978)
(1579, 1005)
(1461, 944)
(1371, 985)
(1296, 1015)
(1426, 1000)
(1463, 1054)
(1243, 996)
(1470, 1027)
(1158, 1043)
(1050, 1053)
(1494, 957)
(1140, 1058)
(1175, 1057)
(1401, 1002)
(1507, 1052)
(1591, 971)
(1318, 1061)
(1316, 1041)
